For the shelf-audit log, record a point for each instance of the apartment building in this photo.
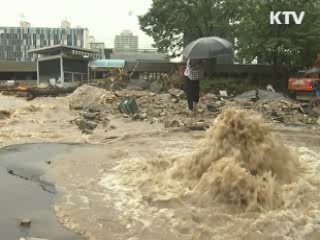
(15, 42)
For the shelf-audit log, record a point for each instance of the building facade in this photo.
(140, 55)
(15, 42)
(63, 66)
(126, 41)
(98, 46)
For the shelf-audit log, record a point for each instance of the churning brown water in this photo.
(238, 183)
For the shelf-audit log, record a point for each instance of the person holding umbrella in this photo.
(195, 52)
(193, 74)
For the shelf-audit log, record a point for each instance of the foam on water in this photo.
(238, 183)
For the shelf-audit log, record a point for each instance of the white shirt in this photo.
(193, 72)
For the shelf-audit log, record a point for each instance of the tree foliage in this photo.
(173, 23)
(292, 44)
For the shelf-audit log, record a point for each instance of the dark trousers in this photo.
(192, 89)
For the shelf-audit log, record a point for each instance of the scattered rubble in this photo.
(4, 114)
(138, 84)
(198, 126)
(87, 95)
(279, 111)
(24, 222)
(88, 121)
(172, 124)
(116, 86)
(31, 92)
(263, 95)
(171, 108)
(177, 93)
(85, 126)
(315, 106)
(156, 86)
(134, 88)
(16, 94)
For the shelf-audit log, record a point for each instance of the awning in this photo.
(107, 63)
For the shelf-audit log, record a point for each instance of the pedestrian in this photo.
(193, 74)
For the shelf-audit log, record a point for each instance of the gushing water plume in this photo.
(239, 162)
(238, 183)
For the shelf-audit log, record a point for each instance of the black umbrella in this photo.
(207, 47)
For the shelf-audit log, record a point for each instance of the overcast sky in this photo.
(103, 18)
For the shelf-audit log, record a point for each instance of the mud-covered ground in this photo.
(50, 120)
(132, 189)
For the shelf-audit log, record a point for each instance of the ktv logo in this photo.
(289, 16)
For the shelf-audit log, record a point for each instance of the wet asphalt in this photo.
(25, 193)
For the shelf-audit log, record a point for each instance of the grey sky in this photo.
(104, 18)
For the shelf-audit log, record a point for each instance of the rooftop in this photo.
(84, 28)
(56, 49)
(126, 33)
(107, 63)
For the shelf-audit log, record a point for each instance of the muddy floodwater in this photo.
(127, 193)
(25, 193)
(242, 179)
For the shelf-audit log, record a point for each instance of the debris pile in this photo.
(87, 95)
(31, 93)
(16, 94)
(177, 93)
(89, 119)
(315, 107)
(171, 108)
(263, 95)
(279, 111)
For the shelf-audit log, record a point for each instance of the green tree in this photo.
(174, 23)
(291, 45)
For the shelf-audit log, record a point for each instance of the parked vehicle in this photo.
(303, 86)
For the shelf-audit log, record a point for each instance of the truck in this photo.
(302, 86)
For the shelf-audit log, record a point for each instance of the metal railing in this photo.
(75, 76)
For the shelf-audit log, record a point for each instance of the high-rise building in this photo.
(24, 24)
(98, 46)
(65, 24)
(15, 42)
(126, 41)
(91, 39)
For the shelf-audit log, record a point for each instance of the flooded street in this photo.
(166, 120)
(26, 194)
(129, 194)
(135, 179)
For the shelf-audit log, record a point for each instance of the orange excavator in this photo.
(303, 86)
